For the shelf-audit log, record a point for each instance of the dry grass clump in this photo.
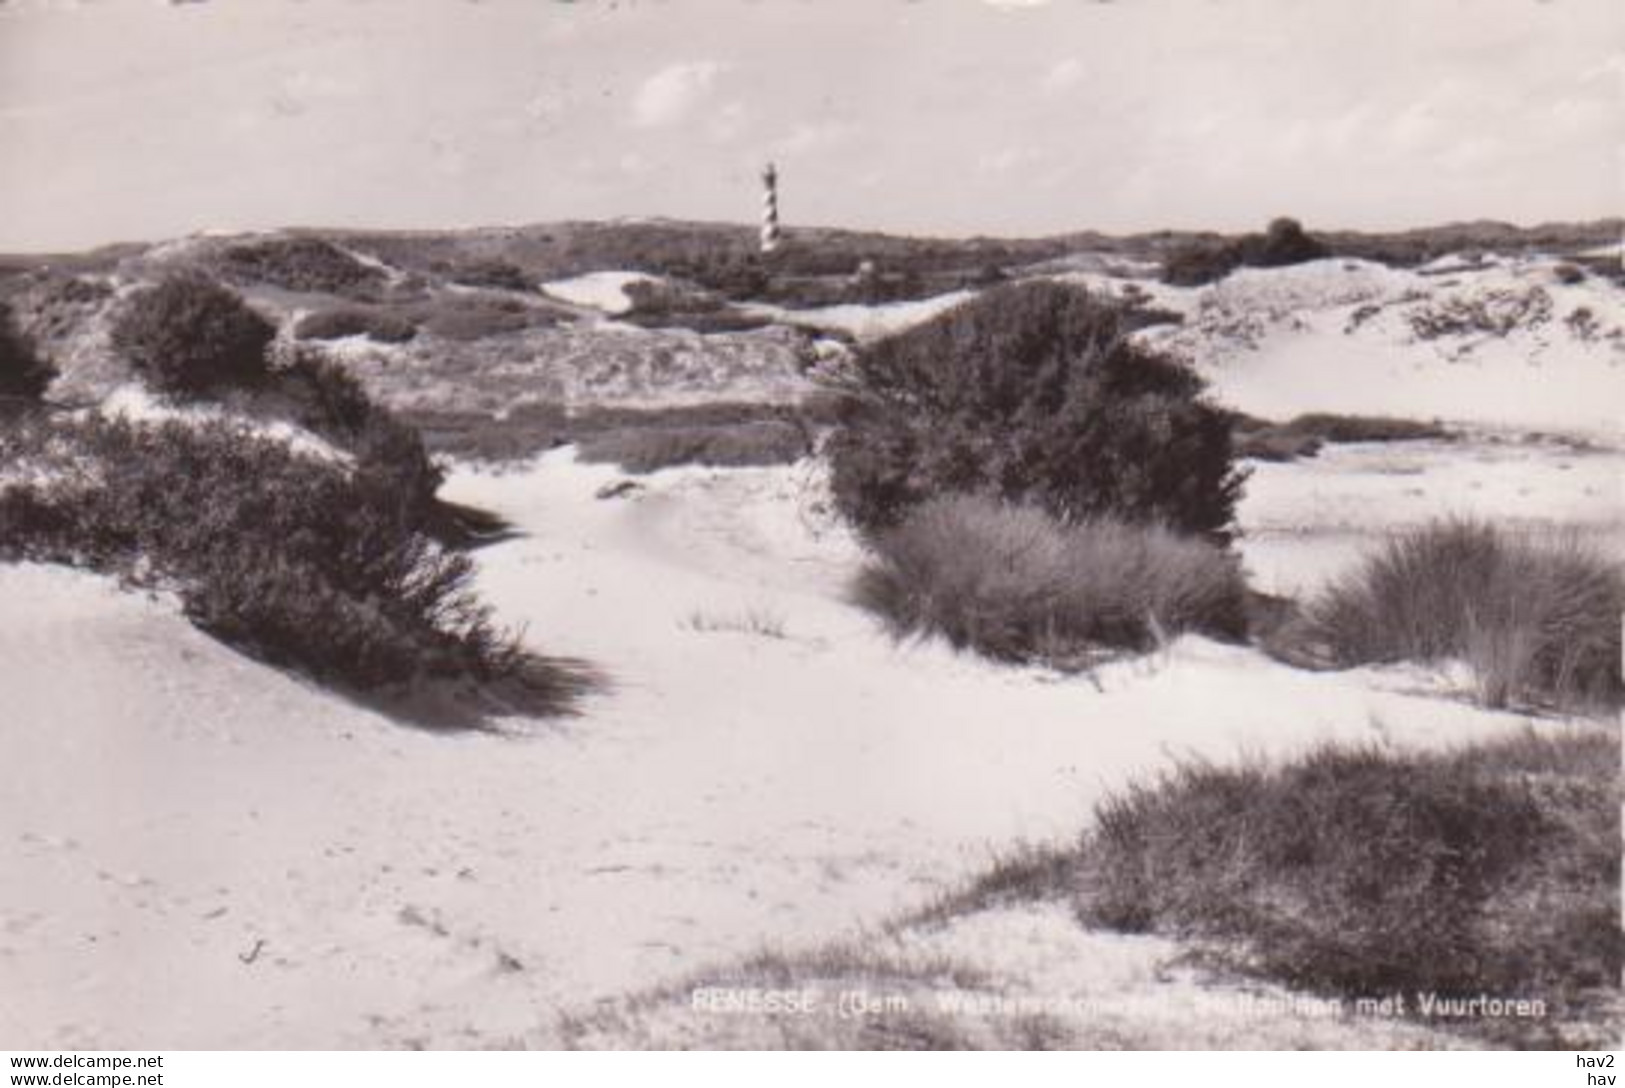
(1014, 583)
(300, 264)
(1536, 619)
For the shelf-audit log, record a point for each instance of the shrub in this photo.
(188, 334)
(326, 399)
(1034, 392)
(1198, 263)
(300, 264)
(1015, 584)
(1491, 869)
(1568, 273)
(1495, 313)
(300, 561)
(323, 397)
(342, 321)
(1283, 243)
(1205, 261)
(22, 372)
(732, 445)
(493, 272)
(1538, 621)
(391, 460)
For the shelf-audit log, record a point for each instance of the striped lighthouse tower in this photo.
(770, 209)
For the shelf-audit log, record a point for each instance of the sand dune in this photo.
(205, 852)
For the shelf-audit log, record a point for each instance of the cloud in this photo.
(298, 91)
(727, 122)
(672, 93)
(1063, 74)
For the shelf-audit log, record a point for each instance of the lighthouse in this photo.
(770, 209)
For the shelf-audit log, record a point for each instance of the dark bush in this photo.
(1198, 263)
(188, 334)
(323, 397)
(1014, 584)
(1284, 243)
(733, 274)
(391, 459)
(1568, 273)
(1363, 872)
(492, 272)
(1210, 260)
(1034, 393)
(381, 326)
(301, 561)
(22, 372)
(64, 304)
(300, 264)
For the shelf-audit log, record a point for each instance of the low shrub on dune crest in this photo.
(305, 562)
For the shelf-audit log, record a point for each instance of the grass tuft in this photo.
(1015, 584)
(1536, 619)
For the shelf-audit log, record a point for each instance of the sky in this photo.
(144, 119)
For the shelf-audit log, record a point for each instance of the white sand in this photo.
(172, 807)
(1279, 342)
(864, 322)
(605, 291)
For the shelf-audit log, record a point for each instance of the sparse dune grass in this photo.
(1537, 619)
(1012, 582)
(759, 621)
(727, 445)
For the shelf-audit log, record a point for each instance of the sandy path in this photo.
(196, 851)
